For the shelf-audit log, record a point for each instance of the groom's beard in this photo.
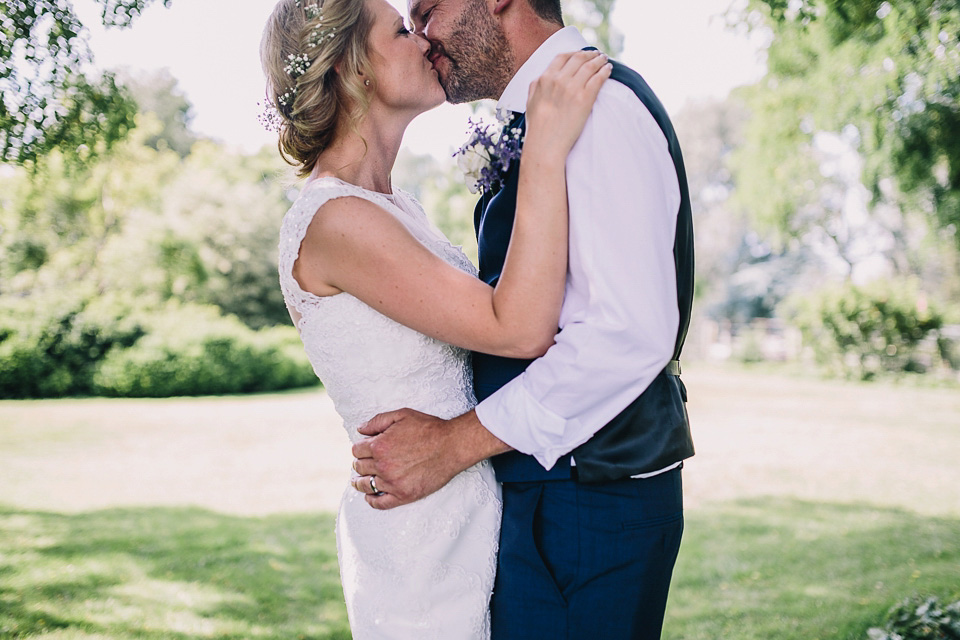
(479, 62)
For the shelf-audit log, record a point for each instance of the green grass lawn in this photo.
(812, 508)
(168, 573)
(759, 569)
(793, 570)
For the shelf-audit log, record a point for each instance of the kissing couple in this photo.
(553, 507)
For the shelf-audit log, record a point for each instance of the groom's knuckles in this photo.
(361, 449)
(365, 467)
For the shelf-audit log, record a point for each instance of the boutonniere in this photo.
(487, 154)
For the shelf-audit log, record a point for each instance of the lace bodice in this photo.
(367, 362)
(423, 570)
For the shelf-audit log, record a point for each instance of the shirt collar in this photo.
(565, 40)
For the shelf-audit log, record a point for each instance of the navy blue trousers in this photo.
(586, 561)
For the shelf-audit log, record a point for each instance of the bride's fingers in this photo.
(569, 79)
(578, 69)
(593, 67)
(567, 64)
(595, 81)
(562, 69)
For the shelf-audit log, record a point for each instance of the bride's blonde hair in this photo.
(314, 56)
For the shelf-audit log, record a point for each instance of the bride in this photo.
(387, 308)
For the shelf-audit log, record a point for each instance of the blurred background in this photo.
(150, 380)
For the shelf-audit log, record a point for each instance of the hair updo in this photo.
(315, 100)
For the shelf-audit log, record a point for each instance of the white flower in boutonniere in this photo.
(486, 156)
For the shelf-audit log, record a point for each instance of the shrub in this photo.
(50, 345)
(867, 330)
(192, 350)
(919, 618)
(75, 344)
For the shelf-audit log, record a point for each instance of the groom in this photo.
(587, 440)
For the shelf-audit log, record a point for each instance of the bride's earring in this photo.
(366, 82)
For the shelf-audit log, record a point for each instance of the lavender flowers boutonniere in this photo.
(487, 154)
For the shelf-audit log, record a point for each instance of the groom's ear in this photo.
(500, 5)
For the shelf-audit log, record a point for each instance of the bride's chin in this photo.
(437, 101)
(429, 107)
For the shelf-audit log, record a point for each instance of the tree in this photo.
(883, 77)
(48, 100)
(592, 17)
(157, 93)
(215, 240)
(59, 221)
(143, 221)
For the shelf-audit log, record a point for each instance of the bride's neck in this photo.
(364, 156)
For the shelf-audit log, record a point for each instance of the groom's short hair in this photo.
(548, 10)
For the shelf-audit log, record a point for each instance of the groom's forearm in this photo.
(475, 442)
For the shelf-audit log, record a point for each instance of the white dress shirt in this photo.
(619, 317)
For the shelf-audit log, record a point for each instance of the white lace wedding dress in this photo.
(424, 570)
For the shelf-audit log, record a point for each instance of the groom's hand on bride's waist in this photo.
(410, 454)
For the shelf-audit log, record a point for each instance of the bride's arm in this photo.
(355, 246)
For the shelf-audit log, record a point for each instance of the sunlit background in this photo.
(169, 464)
(684, 50)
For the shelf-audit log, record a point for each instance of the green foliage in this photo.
(75, 344)
(215, 240)
(152, 226)
(193, 350)
(50, 345)
(48, 102)
(157, 93)
(592, 17)
(869, 330)
(59, 221)
(141, 220)
(888, 74)
(919, 618)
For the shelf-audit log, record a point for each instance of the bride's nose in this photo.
(423, 43)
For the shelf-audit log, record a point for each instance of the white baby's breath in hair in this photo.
(273, 115)
(297, 65)
(318, 33)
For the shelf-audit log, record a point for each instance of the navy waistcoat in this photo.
(653, 431)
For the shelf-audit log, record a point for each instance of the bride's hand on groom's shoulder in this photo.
(561, 99)
(409, 455)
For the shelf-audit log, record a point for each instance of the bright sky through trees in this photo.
(211, 46)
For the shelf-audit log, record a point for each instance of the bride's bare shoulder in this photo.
(347, 216)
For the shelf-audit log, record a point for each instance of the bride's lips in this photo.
(435, 57)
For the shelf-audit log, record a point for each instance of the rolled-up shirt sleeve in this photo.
(619, 320)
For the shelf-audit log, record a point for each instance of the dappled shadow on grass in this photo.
(752, 570)
(794, 570)
(159, 573)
